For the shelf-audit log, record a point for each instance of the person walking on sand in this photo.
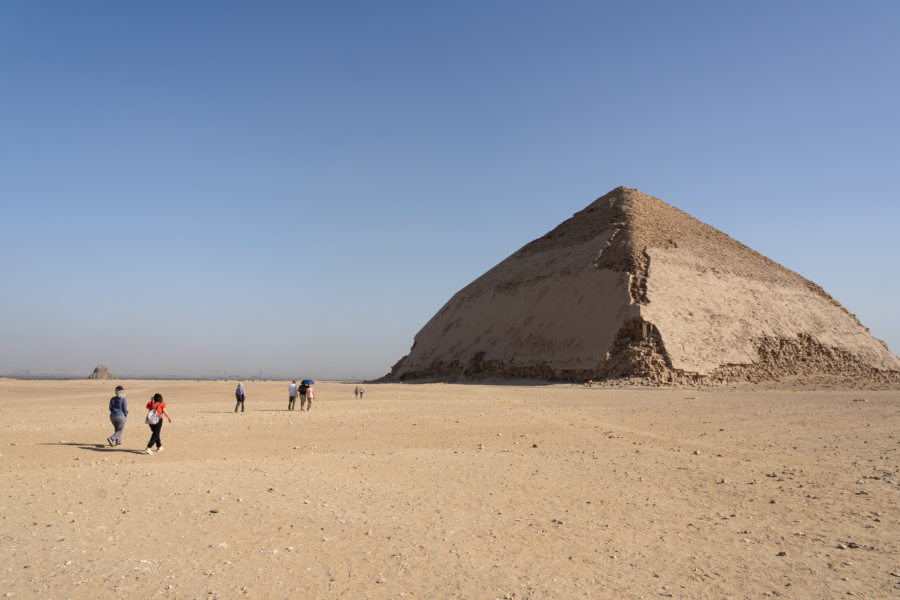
(239, 395)
(356, 391)
(301, 390)
(362, 391)
(292, 394)
(308, 397)
(156, 405)
(118, 411)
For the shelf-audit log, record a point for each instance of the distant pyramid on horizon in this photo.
(632, 287)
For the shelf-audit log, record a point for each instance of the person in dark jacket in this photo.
(118, 411)
(239, 396)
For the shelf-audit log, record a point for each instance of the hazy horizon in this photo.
(237, 376)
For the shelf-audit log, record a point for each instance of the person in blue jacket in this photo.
(118, 411)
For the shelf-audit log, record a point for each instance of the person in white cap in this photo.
(118, 412)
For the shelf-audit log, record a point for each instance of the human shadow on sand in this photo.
(96, 447)
(225, 412)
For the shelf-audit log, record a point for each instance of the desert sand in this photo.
(451, 491)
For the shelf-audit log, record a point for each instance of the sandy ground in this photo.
(450, 491)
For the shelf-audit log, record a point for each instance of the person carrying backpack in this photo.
(156, 404)
(303, 389)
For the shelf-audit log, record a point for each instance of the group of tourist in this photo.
(156, 409)
(304, 390)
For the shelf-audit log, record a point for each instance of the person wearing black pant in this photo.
(156, 404)
(239, 395)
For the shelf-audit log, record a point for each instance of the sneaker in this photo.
(149, 451)
(109, 439)
(160, 449)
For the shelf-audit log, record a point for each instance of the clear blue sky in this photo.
(295, 188)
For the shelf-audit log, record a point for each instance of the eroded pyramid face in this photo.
(632, 287)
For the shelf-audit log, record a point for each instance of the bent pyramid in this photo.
(632, 287)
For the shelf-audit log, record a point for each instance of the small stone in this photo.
(782, 553)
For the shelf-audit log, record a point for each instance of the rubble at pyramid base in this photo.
(645, 362)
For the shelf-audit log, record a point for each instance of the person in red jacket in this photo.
(156, 404)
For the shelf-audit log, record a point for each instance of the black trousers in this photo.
(240, 402)
(154, 435)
